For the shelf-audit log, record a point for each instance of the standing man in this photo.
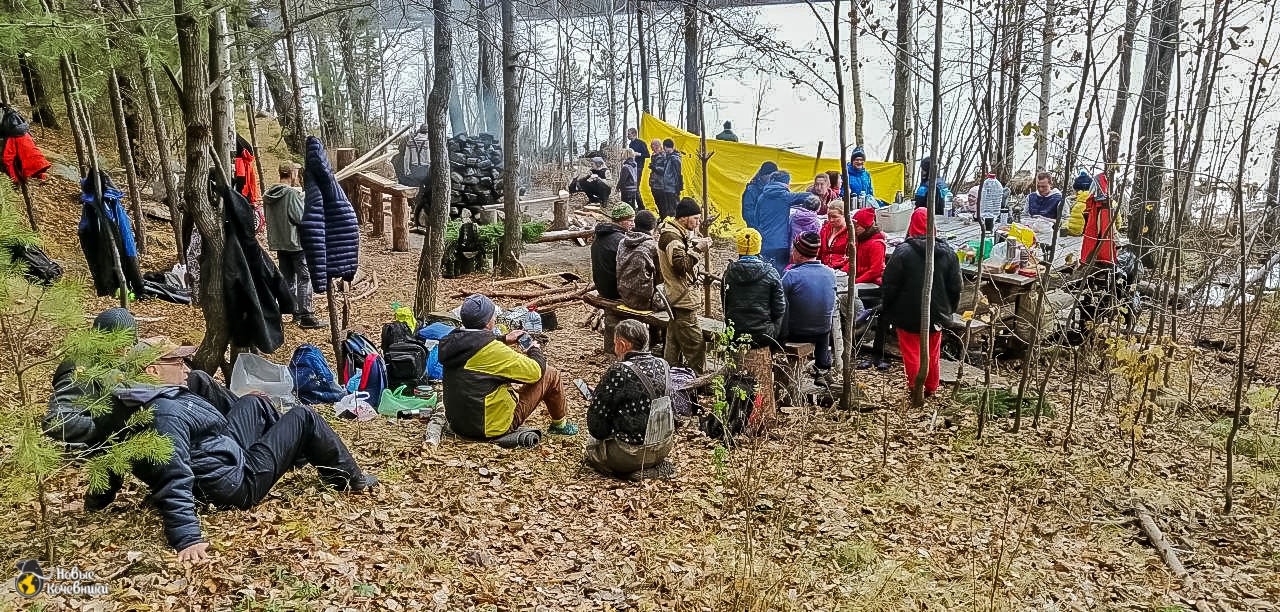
(283, 207)
(604, 260)
(635, 144)
(727, 134)
(903, 291)
(666, 179)
(676, 246)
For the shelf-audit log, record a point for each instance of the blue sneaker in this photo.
(565, 429)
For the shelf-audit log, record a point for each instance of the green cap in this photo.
(622, 211)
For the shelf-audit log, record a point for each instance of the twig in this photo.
(1167, 553)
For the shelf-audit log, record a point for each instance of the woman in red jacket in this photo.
(833, 252)
(870, 271)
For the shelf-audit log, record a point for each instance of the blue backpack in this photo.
(361, 361)
(313, 380)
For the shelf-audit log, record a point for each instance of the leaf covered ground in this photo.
(880, 510)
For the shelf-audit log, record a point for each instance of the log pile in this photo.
(475, 170)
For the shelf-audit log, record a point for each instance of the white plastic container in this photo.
(253, 373)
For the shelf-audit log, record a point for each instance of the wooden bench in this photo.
(711, 328)
(379, 190)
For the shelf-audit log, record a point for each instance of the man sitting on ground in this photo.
(630, 418)
(811, 300)
(479, 368)
(223, 460)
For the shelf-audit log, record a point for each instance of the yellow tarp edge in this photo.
(734, 163)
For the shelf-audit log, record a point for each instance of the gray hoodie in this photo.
(283, 207)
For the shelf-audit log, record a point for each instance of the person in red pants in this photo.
(903, 291)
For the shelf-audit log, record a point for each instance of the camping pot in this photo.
(549, 322)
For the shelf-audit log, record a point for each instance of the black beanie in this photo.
(687, 208)
(645, 221)
(115, 319)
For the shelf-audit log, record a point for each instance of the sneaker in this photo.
(310, 322)
(865, 364)
(363, 482)
(567, 429)
(883, 365)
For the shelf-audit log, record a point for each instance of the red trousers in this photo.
(909, 344)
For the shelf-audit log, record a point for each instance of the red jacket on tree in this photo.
(22, 159)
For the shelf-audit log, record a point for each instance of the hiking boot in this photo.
(882, 365)
(363, 482)
(566, 429)
(307, 321)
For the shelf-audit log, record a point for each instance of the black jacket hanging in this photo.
(103, 222)
(254, 292)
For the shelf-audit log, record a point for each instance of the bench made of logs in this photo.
(711, 328)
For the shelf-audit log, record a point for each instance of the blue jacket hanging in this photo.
(329, 232)
(100, 225)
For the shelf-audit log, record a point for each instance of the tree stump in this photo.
(399, 223)
(759, 363)
(560, 215)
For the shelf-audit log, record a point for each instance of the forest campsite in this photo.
(685, 305)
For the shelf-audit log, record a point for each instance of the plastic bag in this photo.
(253, 373)
(355, 406)
(398, 401)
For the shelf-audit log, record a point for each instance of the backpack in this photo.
(405, 355)
(361, 361)
(35, 263)
(636, 266)
(12, 123)
(313, 380)
(661, 422)
(739, 393)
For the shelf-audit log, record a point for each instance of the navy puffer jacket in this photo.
(329, 233)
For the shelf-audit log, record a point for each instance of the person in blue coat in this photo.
(751, 195)
(927, 178)
(773, 219)
(859, 177)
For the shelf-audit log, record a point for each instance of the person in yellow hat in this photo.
(752, 294)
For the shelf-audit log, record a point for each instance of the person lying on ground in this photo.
(479, 369)
(903, 290)
(229, 460)
(604, 260)
(810, 288)
(630, 419)
(638, 271)
(1046, 200)
(752, 297)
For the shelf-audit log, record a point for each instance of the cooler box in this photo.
(895, 218)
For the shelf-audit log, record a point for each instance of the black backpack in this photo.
(740, 394)
(35, 263)
(405, 355)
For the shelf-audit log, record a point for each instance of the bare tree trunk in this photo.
(1273, 192)
(512, 240)
(222, 119)
(917, 387)
(198, 119)
(1046, 86)
(33, 86)
(487, 80)
(4, 87)
(291, 55)
(905, 35)
(126, 160)
(275, 77)
(692, 96)
(611, 86)
(643, 51)
(354, 40)
(1149, 156)
(1125, 51)
(161, 132)
(856, 82)
(1070, 165)
(437, 113)
(1208, 79)
(73, 115)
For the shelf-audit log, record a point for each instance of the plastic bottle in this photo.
(992, 195)
(948, 207)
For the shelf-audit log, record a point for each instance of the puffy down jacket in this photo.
(329, 233)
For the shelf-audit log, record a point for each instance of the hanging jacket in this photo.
(833, 251)
(802, 220)
(283, 207)
(604, 259)
(638, 271)
(678, 264)
(773, 215)
(1098, 245)
(479, 402)
(255, 294)
(101, 223)
(329, 233)
(629, 179)
(871, 259)
(752, 298)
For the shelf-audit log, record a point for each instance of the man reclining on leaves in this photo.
(226, 460)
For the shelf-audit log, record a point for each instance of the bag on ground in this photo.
(313, 379)
(405, 355)
(363, 368)
(35, 264)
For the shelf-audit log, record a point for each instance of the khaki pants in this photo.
(546, 390)
(684, 341)
(614, 457)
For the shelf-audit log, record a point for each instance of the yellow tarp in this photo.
(733, 165)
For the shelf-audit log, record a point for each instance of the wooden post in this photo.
(560, 214)
(343, 158)
(377, 212)
(361, 203)
(399, 222)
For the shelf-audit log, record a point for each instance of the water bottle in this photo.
(532, 321)
(862, 200)
(948, 208)
(992, 196)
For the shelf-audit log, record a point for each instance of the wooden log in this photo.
(511, 281)
(343, 158)
(565, 235)
(378, 212)
(759, 363)
(560, 215)
(373, 151)
(558, 298)
(1167, 553)
(399, 223)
